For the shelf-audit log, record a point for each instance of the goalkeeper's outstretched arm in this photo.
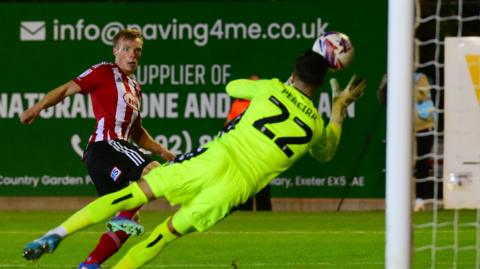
(342, 99)
(324, 149)
(242, 88)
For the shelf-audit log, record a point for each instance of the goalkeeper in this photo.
(279, 127)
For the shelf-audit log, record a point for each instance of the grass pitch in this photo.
(280, 240)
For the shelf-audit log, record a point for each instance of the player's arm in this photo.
(143, 139)
(242, 88)
(325, 148)
(52, 98)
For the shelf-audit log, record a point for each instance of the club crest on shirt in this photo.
(115, 173)
(132, 101)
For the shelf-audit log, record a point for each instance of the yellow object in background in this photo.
(473, 62)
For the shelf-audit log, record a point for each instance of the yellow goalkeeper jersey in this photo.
(279, 127)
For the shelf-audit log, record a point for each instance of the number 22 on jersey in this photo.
(283, 142)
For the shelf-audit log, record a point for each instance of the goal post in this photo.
(399, 134)
(446, 236)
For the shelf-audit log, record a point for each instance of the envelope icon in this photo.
(32, 31)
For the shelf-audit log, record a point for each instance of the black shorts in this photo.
(113, 164)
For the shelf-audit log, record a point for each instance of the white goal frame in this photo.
(398, 230)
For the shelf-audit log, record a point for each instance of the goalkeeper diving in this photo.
(279, 127)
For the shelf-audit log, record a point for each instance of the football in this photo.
(336, 48)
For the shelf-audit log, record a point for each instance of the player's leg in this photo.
(106, 206)
(202, 212)
(111, 169)
(210, 202)
(424, 190)
(109, 243)
(102, 208)
(181, 185)
(127, 224)
(145, 251)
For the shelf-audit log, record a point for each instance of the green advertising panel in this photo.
(191, 50)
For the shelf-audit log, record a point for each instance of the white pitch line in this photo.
(224, 265)
(253, 232)
(203, 265)
(229, 232)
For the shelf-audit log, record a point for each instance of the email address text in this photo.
(199, 33)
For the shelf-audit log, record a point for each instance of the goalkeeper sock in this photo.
(105, 207)
(148, 249)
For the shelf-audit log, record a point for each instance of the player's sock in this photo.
(146, 250)
(105, 207)
(59, 230)
(110, 242)
(108, 245)
(130, 214)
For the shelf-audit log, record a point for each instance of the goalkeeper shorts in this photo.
(206, 183)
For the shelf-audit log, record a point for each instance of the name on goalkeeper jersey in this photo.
(308, 110)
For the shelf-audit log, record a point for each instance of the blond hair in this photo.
(129, 34)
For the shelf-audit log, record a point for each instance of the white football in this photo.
(336, 48)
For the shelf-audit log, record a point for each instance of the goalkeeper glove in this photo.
(342, 99)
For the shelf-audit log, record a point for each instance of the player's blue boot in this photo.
(89, 266)
(129, 226)
(45, 244)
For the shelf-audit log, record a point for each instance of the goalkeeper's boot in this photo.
(84, 265)
(45, 244)
(129, 226)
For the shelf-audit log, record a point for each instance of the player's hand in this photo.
(167, 155)
(353, 91)
(29, 115)
(343, 98)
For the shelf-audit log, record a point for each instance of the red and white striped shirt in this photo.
(116, 100)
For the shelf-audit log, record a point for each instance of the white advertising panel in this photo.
(462, 123)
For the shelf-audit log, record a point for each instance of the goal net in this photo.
(442, 238)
